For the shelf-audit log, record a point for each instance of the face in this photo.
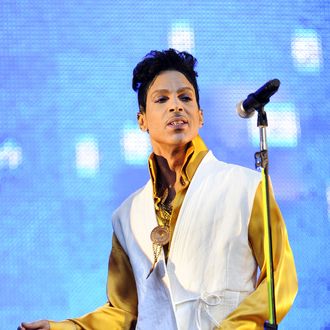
(172, 116)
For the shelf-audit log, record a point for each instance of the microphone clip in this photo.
(261, 159)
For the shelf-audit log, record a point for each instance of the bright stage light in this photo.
(283, 126)
(306, 50)
(11, 155)
(181, 36)
(87, 156)
(135, 145)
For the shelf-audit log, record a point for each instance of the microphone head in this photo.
(270, 88)
(275, 83)
(242, 112)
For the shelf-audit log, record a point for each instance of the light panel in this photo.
(87, 156)
(306, 49)
(283, 126)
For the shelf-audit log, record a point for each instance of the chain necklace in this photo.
(160, 235)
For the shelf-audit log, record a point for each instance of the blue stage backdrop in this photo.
(70, 150)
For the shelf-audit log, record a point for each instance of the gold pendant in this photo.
(160, 235)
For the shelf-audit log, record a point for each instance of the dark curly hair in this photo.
(157, 61)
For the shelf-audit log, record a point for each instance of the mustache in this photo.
(177, 117)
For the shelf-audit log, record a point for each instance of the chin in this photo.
(176, 139)
(181, 139)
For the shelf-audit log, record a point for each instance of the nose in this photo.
(176, 106)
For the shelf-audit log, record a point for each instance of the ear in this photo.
(141, 117)
(201, 118)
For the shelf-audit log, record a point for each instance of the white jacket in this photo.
(210, 268)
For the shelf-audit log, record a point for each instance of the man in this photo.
(187, 246)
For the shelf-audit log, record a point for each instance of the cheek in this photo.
(154, 121)
(198, 118)
(156, 115)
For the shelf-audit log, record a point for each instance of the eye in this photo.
(185, 98)
(161, 99)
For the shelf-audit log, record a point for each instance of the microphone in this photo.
(258, 99)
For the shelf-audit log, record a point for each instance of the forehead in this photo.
(170, 80)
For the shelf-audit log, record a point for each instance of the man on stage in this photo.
(187, 246)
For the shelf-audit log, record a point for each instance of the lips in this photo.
(177, 122)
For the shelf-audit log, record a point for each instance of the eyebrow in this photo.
(180, 90)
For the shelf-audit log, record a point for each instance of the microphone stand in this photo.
(261, 161)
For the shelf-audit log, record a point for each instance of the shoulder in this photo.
(122, 215)
(217, 168)
(127, 203)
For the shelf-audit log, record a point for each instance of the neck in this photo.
(174, 157)
(170, 167)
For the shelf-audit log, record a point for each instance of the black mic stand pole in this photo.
(261, 161)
